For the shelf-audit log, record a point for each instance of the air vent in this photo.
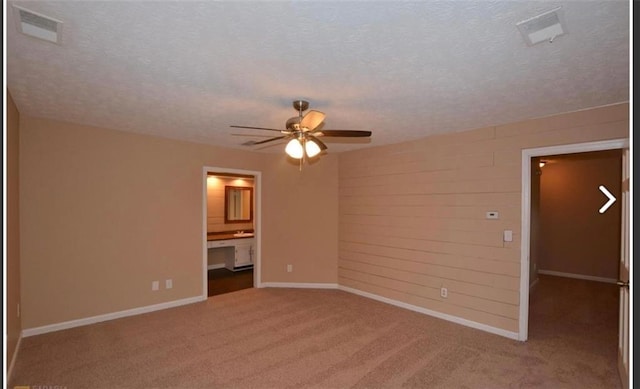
(37, 25)
(544, 27)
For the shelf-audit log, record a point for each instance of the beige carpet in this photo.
(300, 338)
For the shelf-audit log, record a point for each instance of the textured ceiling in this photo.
(404, 70)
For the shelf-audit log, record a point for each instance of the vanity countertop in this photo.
(225, 236)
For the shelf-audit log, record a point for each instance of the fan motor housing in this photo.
(293, 123)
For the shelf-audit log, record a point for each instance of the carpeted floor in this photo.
(302, 338)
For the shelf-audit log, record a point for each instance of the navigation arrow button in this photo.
(612, 199)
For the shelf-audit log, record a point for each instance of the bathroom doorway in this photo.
(231, 239)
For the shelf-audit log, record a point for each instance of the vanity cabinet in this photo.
(243, 253)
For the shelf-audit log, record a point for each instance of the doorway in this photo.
(570, 270)
(231, 246)
(570, 237)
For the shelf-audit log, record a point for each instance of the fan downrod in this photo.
(300, 105)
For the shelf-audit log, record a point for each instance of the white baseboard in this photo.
(305, 285)
(151, 308)
(13, 359)
(109, 316)
(454, 319)
(215, 266)
(578, 276)
(534, 284)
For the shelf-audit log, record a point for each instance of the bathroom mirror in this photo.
(238, 204)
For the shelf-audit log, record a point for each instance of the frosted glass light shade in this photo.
(311, 148)
(294, 149)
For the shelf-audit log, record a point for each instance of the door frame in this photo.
(257, 220)
(624, 275)
(525, 246)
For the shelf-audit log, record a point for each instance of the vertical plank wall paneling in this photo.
(412, 215)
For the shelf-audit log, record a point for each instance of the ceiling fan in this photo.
(303, 133)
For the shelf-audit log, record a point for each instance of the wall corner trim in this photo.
(109, 316)
(454, 319)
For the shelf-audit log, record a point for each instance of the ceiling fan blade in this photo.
(312, 119)
(257, 128)
(266, 140)
(256, 135)
(343, 133)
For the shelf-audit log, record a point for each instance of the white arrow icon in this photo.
(609, 195)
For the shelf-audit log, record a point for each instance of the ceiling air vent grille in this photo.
(37, 25)
(544, 27)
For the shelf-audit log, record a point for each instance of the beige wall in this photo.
(104, 213)
(574, 237)
(302, 213)
(412, 215)
(215, 203)
(14, 325)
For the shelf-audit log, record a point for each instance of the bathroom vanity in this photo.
(243, 250)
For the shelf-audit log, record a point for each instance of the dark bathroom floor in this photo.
(225, 281)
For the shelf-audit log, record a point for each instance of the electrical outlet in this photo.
(155, 285)
(168, 284)
(444, 292)
(289, 268)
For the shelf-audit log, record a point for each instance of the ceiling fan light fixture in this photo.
(294, 149)
(303, 133)
(311, 148)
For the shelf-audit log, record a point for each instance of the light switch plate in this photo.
(508, 236)
(492, 215)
